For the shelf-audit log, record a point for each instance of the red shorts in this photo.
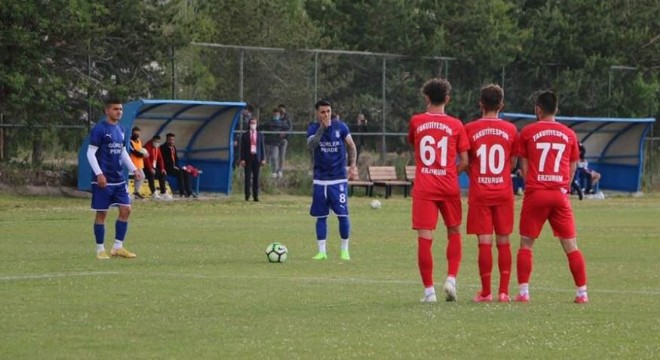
(425, 213)
(483, 220)
(552, 205)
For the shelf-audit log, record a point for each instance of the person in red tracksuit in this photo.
(155, 169)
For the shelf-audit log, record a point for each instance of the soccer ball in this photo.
(375, 204)
(276, 253)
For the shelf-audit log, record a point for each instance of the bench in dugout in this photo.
(386, 177)
(367, 185)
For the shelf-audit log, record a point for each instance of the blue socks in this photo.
(321, 228)
(99, 233)
(120, 230)
(344, 227)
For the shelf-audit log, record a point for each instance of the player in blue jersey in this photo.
(107, 155)
(330, 141)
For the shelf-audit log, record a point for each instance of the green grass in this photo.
(201, 287)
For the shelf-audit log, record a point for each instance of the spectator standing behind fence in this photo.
(278, 142)
(360, 128)
(171, 160)
(138, 155)
(253, 157)
(156, 169)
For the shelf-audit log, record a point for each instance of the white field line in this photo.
(651, 292)
(56, 275)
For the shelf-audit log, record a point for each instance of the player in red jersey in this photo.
(549, 154)
(492, 145)
(439, 140)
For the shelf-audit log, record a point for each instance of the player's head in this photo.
(436, 91)
(169, 138)
(252, 123)
(282, 108)
(135, 133)
(323, 110)
(276, 114)
(155, 140)
(546, 104)
(491, 98)
(113, 109)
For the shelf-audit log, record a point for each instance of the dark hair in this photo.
(135, 128)
(170, 135)
(276, 110)
(111, 101)
(322, 103)
(547, 101)
(491, 97)
(281, 106)
(156, 137)
(437, 90)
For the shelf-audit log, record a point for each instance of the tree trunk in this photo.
(37, 149)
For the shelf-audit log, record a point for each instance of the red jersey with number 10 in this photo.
(550, 148)
(492, 144)
(438, 139)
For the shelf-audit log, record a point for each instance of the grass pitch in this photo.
(201, 287)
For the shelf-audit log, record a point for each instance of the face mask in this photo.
(276, 117)
(253, 126)
(134, 137)
(156, 144)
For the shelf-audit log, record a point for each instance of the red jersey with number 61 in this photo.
(438, 139)
(550, 148)
(492, 144)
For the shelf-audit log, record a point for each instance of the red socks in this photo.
(454, 254)
(524, 265)
(578, 267)
(504, 265)
(425, 260)
(485, 267)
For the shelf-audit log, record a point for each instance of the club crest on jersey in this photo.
(337, 135)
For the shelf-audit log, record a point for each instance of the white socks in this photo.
(118, 245)
(429, 291)
(344, 244)
(99, 248)
(581, 291)
(523, 289)
(321, 244)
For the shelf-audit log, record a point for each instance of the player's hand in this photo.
(101, 182)
(138, 175)
(242, 163)
(353, 173)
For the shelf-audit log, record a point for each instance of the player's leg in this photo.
(480, 223)
(563, 226)
(275, 160)
(451, 211)
(503, 223)
(337, 196)
(320, 210)
(120, 198)
(535, 211)
(424, 220)
(283, 145)
(100, 204)
(138, 185)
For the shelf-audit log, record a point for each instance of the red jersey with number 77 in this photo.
(492, 144)
(438, 139)
(550, 148)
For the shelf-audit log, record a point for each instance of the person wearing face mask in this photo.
(253, 157)
(156, 169)
(138, 155)
(278, 142)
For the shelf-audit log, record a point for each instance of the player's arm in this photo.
(573, 168)
(462, 162)
(314, 140)
(96, 168)
(524, 166)
(126, 159)
(352, 157)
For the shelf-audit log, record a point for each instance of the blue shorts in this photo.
(111, 195)
(333, 195)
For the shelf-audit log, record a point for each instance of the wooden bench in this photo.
(385, 176)
(367, 185)
(410, 173)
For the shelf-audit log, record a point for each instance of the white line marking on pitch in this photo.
(53, 276)
(386, 281)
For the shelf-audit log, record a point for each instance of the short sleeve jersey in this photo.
(330, 153)
(550, 148)
(109, 139)
(437, 139)
(492, 144)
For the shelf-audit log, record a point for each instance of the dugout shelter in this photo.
(614, 146)
(204, 136)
